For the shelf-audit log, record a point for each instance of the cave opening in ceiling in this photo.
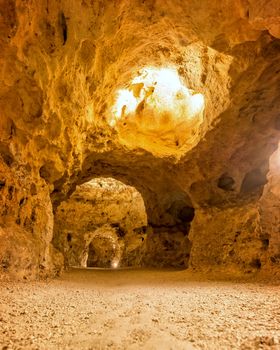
(158, 113)
(177, 98)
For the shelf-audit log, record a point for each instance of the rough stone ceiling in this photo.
(63, 64)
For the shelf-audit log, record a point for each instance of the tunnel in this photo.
(105, 224)
(139, 174)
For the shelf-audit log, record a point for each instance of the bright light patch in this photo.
(126, 103)
(89, 113)
(160, 89)
(115, 264)
(196, 104)
(157, 112)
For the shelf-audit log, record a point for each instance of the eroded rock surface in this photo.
(102, 223)
(63, 65)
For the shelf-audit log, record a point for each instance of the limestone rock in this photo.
(206, 144)
(102, 222)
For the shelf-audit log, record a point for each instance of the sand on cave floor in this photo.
(138, 309)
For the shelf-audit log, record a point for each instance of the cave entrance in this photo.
(102, 252)
(105, 249)
(104, 224)
(91, 256)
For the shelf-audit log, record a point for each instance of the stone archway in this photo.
(104, 223)
(104, 248)
(104, 217)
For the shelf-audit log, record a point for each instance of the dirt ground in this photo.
(138, 309)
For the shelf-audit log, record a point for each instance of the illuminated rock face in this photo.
(104, 224)
(100, 224)
(158, 113)
(178, 99)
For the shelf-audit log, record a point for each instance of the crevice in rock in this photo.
(226, 182)
(63, 24)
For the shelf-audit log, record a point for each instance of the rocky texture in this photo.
(26, 226)
(265, 15)
(104, 219)
(269, 209)
(139, 309)
(63, 65)
(158, 113)
(228, 243)
(104, 224)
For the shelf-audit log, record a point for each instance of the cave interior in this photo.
(140, 135)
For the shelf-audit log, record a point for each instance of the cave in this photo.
(105, 224)
(139, 174)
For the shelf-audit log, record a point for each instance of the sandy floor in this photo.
(130, 309)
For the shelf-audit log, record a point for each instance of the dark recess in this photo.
(63, 24)
(253, 181)
(256, 263)
(186, 214)
(2, 183)
(226, 182)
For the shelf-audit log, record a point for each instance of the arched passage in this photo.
(104, 248)
(104, 223)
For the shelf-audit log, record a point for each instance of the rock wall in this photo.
(103, 213)
(63, 65)
(26, 225)
(104, 222)
(269, 209)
